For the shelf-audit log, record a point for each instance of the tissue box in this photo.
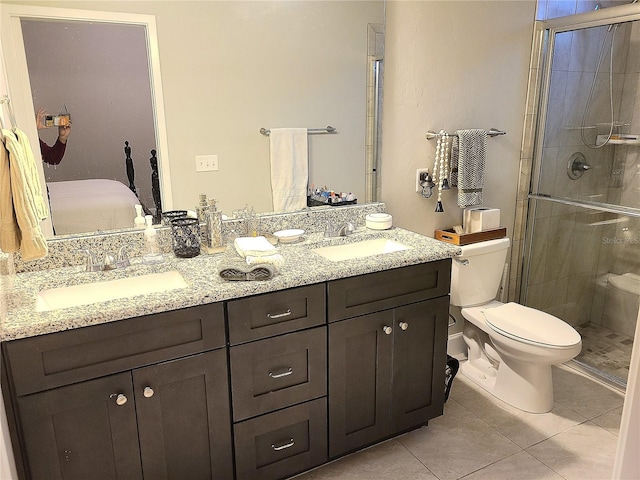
(480, 219)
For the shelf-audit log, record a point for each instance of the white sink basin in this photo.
(88, 293)
(365, 248)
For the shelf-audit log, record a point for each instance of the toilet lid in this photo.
(531, 325)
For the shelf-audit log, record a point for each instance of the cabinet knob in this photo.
(147, 392)
(404, 325)
(121, 399)
(387, 330)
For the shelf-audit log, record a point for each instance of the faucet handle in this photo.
(122, 259)
(91, 264)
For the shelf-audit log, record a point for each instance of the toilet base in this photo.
(531, 389)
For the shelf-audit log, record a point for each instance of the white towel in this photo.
(289, 168)
(472, 147)
(253, 246)
(28, 203)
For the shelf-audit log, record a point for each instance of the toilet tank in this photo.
(477, 273)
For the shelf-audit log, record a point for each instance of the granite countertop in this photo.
(301, 267)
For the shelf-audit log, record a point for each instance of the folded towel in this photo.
(276, 260)
(253, 246)
(289, 152)
(28, 203)
(472, 147)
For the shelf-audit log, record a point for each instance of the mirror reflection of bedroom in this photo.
(99, 74)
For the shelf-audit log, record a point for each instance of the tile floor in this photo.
(605, 350)
(480, 437)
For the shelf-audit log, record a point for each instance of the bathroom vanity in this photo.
(230, 380)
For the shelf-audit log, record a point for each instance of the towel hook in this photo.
(12, 118)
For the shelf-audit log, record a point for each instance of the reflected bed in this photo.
(81, 206)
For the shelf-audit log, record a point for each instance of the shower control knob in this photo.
(148, 392)
(404, 325)
(387, 330)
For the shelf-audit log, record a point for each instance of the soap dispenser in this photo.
(152, 252)
(202, 208)
(139, 221)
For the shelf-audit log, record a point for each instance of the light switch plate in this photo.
(206, 163)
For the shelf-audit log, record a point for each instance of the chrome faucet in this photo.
(340, 230)
(109, 262)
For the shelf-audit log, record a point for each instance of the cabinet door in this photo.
(82, 431)
(419, 358)
(184, 418)
(360, 352)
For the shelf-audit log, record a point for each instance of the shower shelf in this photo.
(619, 139)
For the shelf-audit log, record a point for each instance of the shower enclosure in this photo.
(581, 258)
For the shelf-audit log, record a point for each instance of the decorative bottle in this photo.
(214, 225)
(152, 252)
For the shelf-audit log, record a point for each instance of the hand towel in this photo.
(289, 168)
(27, 202)
(253, 246)
(31, 173)
(9, 229)
(472, 147)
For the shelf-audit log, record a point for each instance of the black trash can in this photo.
(450, 372)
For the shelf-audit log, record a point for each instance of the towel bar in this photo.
(329, 129)
(492, 132)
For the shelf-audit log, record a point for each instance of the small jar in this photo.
(167, 217)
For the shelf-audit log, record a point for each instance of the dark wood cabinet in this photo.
(166, 420)
(308, 374)
(386, 368)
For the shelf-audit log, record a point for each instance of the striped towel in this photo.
(469, 165)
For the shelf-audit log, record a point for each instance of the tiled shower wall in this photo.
(575, 248)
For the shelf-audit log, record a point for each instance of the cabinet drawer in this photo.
(278, 372)
(353, 296)
(49, 361)
(275, 313)
(282, 443)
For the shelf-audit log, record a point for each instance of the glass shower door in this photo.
(583, 235)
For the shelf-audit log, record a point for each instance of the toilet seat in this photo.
(531, 326)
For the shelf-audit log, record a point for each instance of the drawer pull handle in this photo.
(387, 330)
(286, 373)
(404, 325)
(280, 315)
(121, 398)
(148, 392)
(283, 447)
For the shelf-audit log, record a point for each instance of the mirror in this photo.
(241, 66)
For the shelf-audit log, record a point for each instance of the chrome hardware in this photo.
(286, 373)
(91, 264)
(148, 392)
(387, 330)
(462, 261)
(403, 325)
(280, 315)
(109, 262)
(577, 166)
(121, 398)
(290, 444)
(343, 230)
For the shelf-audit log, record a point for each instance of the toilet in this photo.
(511, 348)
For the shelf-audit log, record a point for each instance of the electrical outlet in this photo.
(206, 163)
(419, 172)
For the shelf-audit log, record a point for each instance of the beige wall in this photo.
(453, 65)
(232, 67)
